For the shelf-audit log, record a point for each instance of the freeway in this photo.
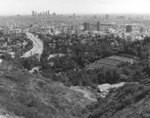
(37, 47)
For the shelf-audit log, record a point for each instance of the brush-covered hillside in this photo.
(23, 95)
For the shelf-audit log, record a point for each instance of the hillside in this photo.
(24, 95)
(130, 101)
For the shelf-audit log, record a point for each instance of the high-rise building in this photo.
(71, 27)
(33, 13)
(141, 29)
(107, 16)
(42, 13)
(48, 13)
(98, 26)
(86, 26)
(129, 28)
(54, 14)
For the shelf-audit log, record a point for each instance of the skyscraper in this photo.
(98, 26)
(107, 16)
(141, 29)
(48, 13)
(42, 13)
(129, 28)
(33, 13)
(86, 26)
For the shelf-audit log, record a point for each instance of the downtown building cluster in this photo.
(44, 13)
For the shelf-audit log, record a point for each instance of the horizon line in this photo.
(30, 14)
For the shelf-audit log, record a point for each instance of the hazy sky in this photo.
(11, 7)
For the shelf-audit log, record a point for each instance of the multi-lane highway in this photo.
(37, 46)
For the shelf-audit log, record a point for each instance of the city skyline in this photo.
(24, 7)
